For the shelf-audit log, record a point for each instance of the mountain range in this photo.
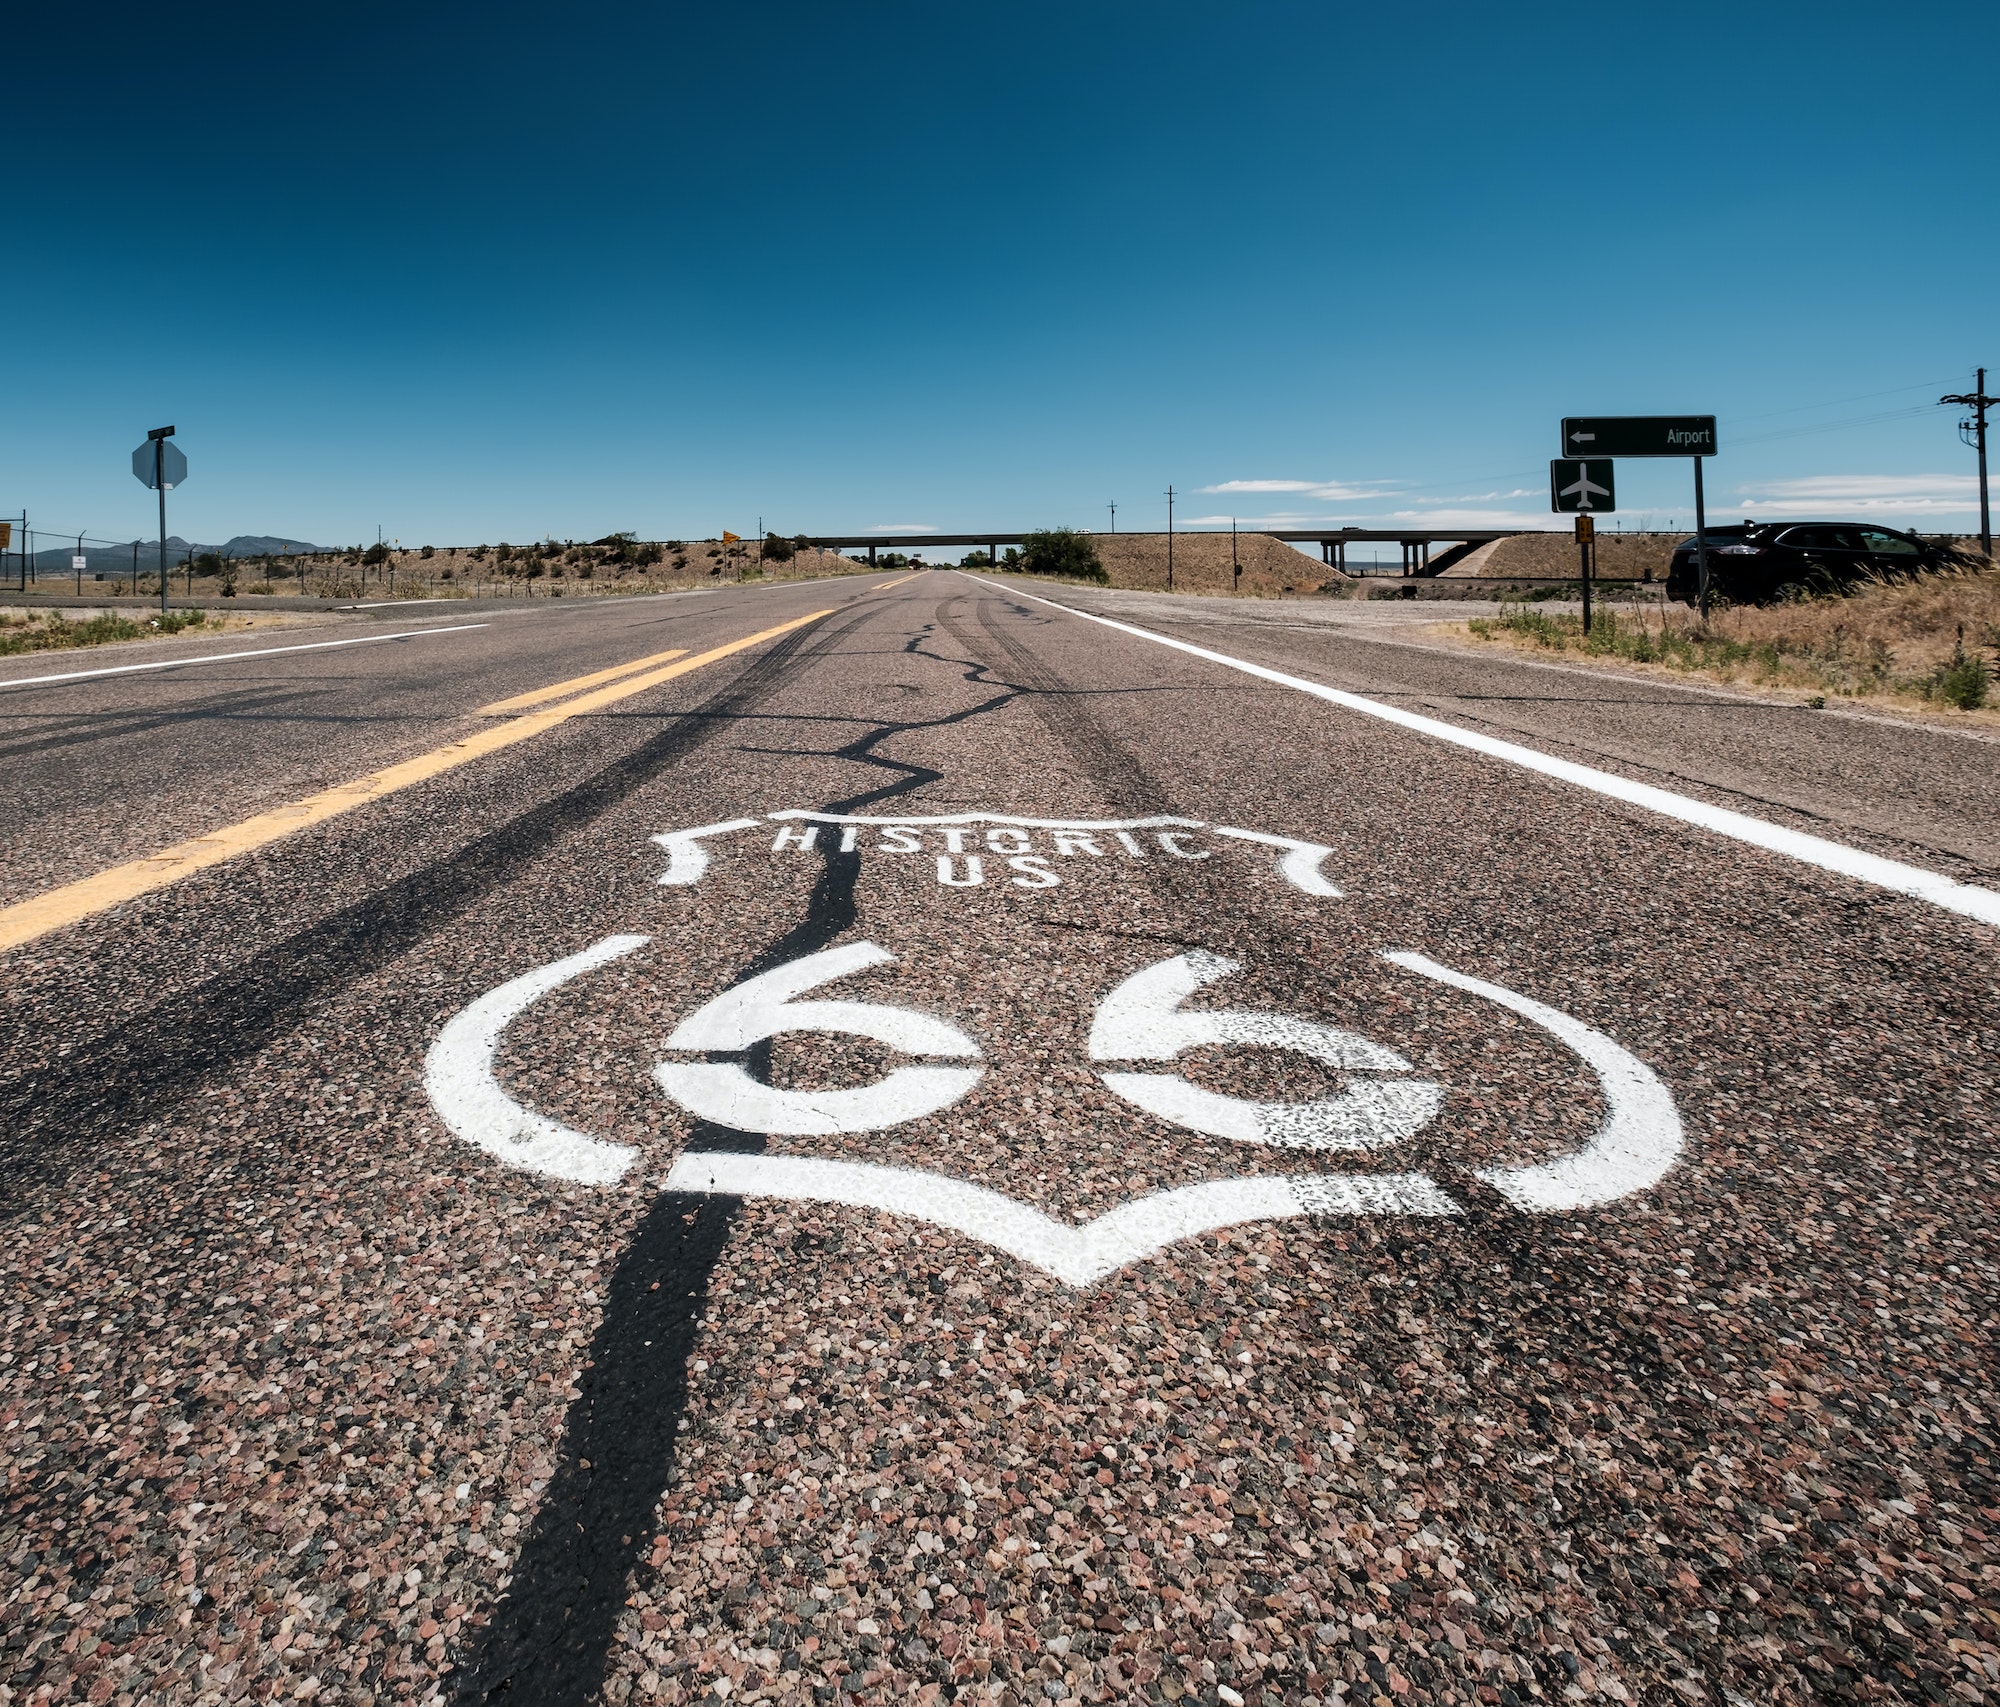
(53, 562)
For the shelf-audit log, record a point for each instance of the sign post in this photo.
(1584, 488)
(1651, 435)
(160, 464)
(1586, 547)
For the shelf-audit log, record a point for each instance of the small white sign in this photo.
(77, 562)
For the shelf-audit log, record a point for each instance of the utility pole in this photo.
(1978, 402)
(1235, 566)
(1170, 539)
(1114, 518)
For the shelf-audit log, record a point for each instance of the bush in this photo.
(376, 554)
(1062, 551)
(779, 550)
(428, 552)
(975, 560)
(1965, 681)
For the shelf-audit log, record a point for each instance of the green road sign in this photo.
(1638, 435)
(1582, 487)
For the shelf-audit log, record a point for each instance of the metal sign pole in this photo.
(1586, 531)
(160, 481)
(1700, 540)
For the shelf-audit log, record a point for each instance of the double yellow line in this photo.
(26, 920)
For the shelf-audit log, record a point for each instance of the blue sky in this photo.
(498, 272)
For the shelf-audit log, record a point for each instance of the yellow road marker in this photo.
(26, 920)
(576, 684)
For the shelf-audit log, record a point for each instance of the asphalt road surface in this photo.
(894, 1140)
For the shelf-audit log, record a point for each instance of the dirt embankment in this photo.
(1271, 568)
(1552, 557)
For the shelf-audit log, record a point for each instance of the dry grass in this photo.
(1934, 640)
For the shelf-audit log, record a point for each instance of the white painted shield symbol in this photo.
(1140, 1020)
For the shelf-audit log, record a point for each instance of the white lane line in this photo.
(1967, 899)
(231, 657)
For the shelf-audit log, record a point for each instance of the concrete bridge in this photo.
(1418, 544)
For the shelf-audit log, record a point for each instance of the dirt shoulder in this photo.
(1926, 650)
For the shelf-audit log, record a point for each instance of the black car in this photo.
(1752, 563)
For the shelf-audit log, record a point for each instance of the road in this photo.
(941, 1139)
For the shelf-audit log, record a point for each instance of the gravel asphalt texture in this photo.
(303, 1397)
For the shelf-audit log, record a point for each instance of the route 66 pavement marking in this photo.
(963, 1155)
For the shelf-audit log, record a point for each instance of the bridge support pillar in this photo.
(871, 557)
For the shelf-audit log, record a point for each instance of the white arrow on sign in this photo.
(1582, 438)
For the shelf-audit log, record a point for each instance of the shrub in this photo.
(975, 560)
(779, 550)
(376, 554)
(1965, 681)
(1062, 551)
(428, 552)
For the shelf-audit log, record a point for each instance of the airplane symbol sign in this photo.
(1581, 486)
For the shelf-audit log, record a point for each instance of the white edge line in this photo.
(1966, 899)
(231, 657)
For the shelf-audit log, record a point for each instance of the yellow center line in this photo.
(576, 684)
(26, 920)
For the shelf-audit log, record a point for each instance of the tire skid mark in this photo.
(58, 1111)
(548, 1640)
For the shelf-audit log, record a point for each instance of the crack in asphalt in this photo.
(549, 1638)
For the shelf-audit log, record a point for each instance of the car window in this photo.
(1823, 539)
(1888, 544)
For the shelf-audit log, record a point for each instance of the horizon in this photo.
(675, 274)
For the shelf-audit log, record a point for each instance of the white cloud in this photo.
(901, 527)
(1885, 496)
(1419, 521)
(1262, 486)
(1328, 491)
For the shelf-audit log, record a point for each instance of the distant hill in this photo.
(53, 561)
